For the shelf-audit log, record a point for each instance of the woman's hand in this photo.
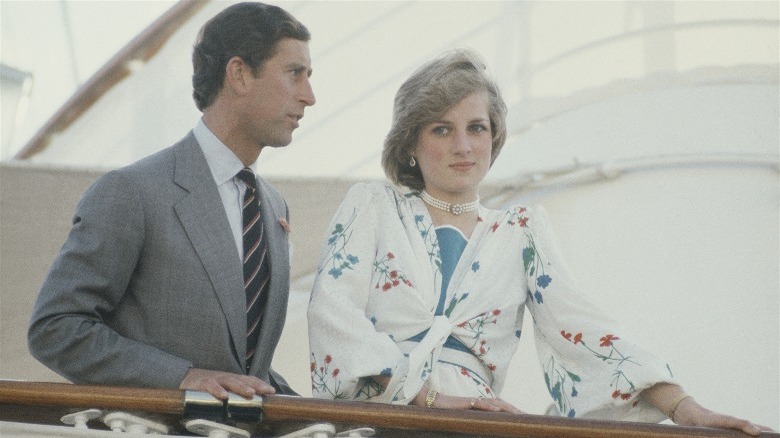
(490, 404)
(690, 413)
(684, 410)
(443, 401)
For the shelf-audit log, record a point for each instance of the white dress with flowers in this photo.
(377, 309)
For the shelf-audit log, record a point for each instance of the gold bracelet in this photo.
(676, 402)
(430, 399)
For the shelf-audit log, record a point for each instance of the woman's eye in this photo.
(479, 128)
(440, 130)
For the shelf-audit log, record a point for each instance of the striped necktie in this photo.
(256, 272)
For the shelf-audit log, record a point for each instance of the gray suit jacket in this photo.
(149, 282)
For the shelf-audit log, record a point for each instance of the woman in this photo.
(421, 291)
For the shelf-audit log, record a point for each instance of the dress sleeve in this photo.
(345, 347)
(590, 366)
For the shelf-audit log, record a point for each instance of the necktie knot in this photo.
(248, 177)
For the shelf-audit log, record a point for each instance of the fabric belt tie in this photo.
(427, 353)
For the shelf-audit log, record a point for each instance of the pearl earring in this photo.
(412, 162)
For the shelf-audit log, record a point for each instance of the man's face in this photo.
(279, 94)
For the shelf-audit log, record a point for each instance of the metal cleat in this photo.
(320, 430)
(360, 432)
(213, 429)
(124, 422)
(79, 419)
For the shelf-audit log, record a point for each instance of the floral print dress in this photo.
(373, 312)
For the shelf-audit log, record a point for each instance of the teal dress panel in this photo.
(451, 245)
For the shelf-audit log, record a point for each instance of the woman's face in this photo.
(454, 152)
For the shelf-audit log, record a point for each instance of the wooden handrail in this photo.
(65, 395)
(279, 410)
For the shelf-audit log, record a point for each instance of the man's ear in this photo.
(237, 74)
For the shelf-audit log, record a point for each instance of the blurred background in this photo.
(648, 130)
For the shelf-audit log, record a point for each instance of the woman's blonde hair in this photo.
(427, 94)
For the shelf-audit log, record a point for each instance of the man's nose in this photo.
(307, 94)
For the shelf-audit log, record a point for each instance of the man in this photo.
(149, 287)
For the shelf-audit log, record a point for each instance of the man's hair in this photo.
(430, 92)
(248, 30)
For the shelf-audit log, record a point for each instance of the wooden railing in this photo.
(46, 403)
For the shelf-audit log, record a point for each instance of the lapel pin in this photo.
(285, 225)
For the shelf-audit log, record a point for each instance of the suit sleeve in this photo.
(87, 281)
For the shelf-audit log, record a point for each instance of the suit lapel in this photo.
(203, 217)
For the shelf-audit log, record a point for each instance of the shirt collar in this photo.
(223, 163)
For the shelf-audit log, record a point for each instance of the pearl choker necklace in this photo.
(455, 209)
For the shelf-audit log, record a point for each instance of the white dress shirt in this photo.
(224, 166)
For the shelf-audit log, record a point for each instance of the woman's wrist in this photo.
(666, 397)
(687, 411)
(419, 399)
(675, 403)
(430, 398)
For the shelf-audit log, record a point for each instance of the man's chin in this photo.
(279, 143)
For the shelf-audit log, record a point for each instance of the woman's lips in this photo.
(463, 165)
